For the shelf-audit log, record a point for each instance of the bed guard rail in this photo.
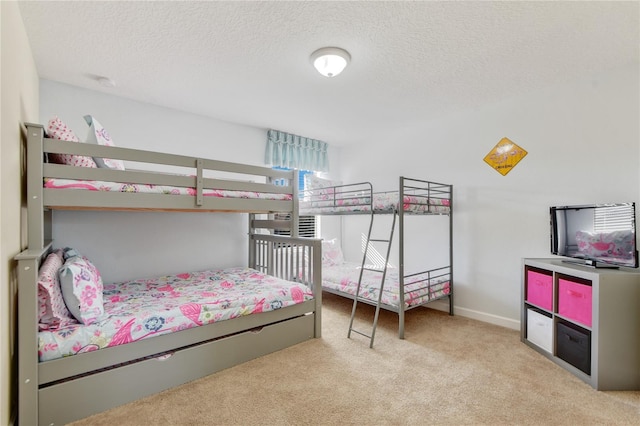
(416, 192)
(337, 199)
(292, 259)
(434, 283)
(234, 175)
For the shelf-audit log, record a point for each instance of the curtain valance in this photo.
(296, 152)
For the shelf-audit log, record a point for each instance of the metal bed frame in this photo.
(66, 389)
(330, 200)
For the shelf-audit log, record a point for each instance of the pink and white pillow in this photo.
(616, 244)
(52, 311)
(82, 289)
(99, 135)
(331, 252)
(57, 129)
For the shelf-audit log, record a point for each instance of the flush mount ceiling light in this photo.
(330, 61)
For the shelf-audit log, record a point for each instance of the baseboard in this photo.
(476, 315)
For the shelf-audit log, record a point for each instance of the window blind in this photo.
(306, 224)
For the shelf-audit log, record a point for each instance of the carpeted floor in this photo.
(448, 371)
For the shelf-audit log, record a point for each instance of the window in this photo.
(307, 224)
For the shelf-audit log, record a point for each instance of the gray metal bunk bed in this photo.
(407, 290)
(73, 387)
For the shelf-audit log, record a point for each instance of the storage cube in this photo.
(574, 346)
(540, 289)
(540, 330)
(574, 301)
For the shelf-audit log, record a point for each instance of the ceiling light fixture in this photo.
(330, 61)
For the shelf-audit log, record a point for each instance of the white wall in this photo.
(583, 146)
(19, 84)
(582, 140)
(126, 245)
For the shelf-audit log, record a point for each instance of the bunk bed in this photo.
(57, 385)
(402, 290)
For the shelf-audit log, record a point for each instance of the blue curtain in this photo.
(296, 152)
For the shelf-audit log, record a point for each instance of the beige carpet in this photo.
(448, 370)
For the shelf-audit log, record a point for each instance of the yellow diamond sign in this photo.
(504, 156)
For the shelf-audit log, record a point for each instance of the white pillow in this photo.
(331, 252)
(98, 135)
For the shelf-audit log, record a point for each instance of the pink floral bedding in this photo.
(381, 202)
(343, 277)
(91, 185)
(144, 308)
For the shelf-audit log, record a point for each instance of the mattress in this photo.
(419, 289)
(140, 309)
(91, 185)
(382, 202)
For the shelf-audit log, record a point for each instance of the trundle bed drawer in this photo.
(84, 396)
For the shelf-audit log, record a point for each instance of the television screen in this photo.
(598, 235)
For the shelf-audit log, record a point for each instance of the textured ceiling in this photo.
(248, 62)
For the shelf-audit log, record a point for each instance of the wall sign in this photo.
(504, 156)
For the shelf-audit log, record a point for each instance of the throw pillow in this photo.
(52, 311)
(99, 135)
(82, 289)
(57, 129)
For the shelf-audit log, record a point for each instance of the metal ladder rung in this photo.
(360, 333)
(384, 273)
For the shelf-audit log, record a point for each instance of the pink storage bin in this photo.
(540, 289)
(574, 301)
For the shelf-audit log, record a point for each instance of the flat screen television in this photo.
(596, 235)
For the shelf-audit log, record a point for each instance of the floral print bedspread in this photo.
(381, 202)
(144, 308)
(419, 289)
(93, 185)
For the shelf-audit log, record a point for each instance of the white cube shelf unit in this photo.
(586, 320)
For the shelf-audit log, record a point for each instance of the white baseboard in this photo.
(476, 315)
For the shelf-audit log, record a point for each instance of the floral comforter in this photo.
(385, 201)
(419, 289)
(144, 308)
(92, 185)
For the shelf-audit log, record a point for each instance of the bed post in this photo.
(295, 213)
(450, 249)
(28, 265)
(317, 285)
(38, 221)
(252, 248)
(400, 212)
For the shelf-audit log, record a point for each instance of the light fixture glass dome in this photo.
(330, 61)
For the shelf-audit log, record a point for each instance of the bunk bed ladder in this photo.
(383, 273)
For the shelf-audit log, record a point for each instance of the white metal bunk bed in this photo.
(62, 390)
(402, 291)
